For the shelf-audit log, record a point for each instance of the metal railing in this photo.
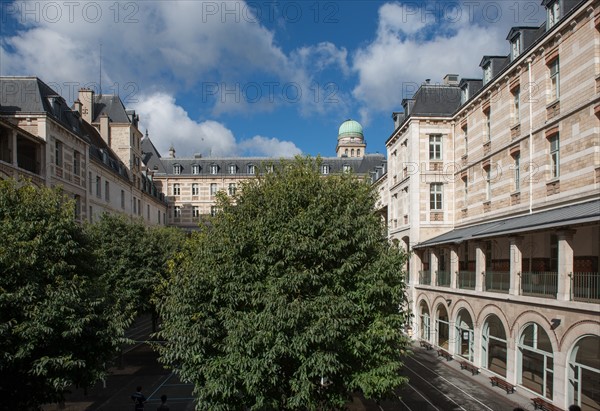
(425, 277)
(539, 283)
(466, 280)
(443, 279)
(497, 281)
(585, 287)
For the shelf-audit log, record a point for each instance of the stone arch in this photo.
(527, 317)
(489, 309)
(463, 304)
(577, 331)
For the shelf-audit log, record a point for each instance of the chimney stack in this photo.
(86, 99)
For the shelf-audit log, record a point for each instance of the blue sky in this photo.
(265, 78)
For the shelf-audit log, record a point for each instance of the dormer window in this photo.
(232, 168)
(553, 13)
(177, 169)
(464, 94)
(195, 169)
(346, 168)
(214, 169)
(516, 47)
(251, 169)
(325, 169)
(487, 73)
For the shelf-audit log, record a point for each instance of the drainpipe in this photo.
(529, 60)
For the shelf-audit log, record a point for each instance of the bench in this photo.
(499, 382)
(425, 344)
(464, 365)
(445, 354)
(542, 404)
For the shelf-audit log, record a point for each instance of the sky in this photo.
(255, 78)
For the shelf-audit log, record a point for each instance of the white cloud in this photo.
(418, 41)
(169, 124)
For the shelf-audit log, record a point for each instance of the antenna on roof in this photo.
(100, 83)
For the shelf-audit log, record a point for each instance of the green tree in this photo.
(289, 298)
(120, 248)
(133, 259)
(55, 326)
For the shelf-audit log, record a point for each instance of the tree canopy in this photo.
(289, 298)
(56, 328)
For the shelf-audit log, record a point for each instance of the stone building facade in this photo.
(493, 185)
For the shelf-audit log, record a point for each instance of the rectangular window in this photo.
(232, 189)
(554, 80)
(148, 211)
(77, 207)
(107, 191)
(435, 196)
(122, 199)
(76, 163)
(488, 124)
(466, 189)
(139, 207)
(554, 156)
(346, 168)
(487, 73)
(213, 211)
(158, 216)
(213, 189)
(195, 211)
(176, 189)
(251, 169)
(466, 135)
(232, 168)
(325, 169)
(177, 212)
(435, 147)
(177, 169)
(98, 186)
(91, 181)
(58, 153)
(553, 13)
(516, 47)
(195, 189)
(517, 166)
(488, 183)
(464, 94)
(214, 169)
(195, 169)
(516, 106)
(134, 206)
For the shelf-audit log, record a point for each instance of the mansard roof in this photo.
(30, 95)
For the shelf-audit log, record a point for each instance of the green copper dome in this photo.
(350, 127)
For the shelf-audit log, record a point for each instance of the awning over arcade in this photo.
(559, 217)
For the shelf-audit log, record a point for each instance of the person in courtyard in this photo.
(138, 399)
(163, 404)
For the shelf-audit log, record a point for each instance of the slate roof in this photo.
(153, 161)
(31, 95)
(435, 100)
(112, 106)
(559, 217)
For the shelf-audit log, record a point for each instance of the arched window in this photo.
(493, 346)
(535, 361)
(425, 322)
(442, 327)
(584, 373)
(352, 153)
(464, 335)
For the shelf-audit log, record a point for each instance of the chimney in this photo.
(86, 99)
(172, 151)
(451, 79)
(105, 128)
